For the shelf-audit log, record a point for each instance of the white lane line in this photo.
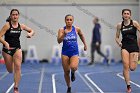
(119, 75)
(93, 83)
(53, 81)
(41, 80)
(86, 82)
(4, 75)
(10, 88)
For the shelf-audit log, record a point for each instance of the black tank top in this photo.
(129, 36)
(12, 36)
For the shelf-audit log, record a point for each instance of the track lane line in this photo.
(53, 81)
(93, 83)
(90, 87)
(119, 75)
(4, 75)
(10, 88)
(41, 79)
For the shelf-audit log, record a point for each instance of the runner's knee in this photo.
(132, 68)
(73, 68)
(10, 70)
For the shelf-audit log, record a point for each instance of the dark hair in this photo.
(126, 10)
(68, 15)
(9, 19)
(14, 10)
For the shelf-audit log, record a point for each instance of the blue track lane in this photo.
(49, 78)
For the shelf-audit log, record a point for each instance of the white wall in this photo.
(66, 1)
(52, 17)
(139, 10)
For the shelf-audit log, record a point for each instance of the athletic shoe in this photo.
(72, 76)
(128, 89)
(16, 90)
(69, 90)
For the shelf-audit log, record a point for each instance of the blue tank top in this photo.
(70, 41)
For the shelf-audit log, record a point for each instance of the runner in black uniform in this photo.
(12, 52)
(12, 37)
(129, 37)
(129, 44)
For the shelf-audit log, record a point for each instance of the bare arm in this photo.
(118, 35)
(137, 25)
(81, 37)
(29, 30)
(61, 35)
(2, 32)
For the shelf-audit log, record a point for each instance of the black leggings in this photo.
(97, 48)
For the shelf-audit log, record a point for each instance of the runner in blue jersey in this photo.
(128, 44)
(12, 52)
(70, 53)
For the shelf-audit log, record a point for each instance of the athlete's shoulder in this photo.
(22, 25)
(78, 30)
(135, 23)
(7, 25)
(77, 27)
(119, 25)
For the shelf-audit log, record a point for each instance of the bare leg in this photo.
(17, 59)
(133, 61)
(66, 68)
(125, 59)
(8, 62)
(74, 61)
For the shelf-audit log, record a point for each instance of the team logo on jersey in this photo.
(9, 52)
(125, 29)
(70, 37)
(12, 31)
